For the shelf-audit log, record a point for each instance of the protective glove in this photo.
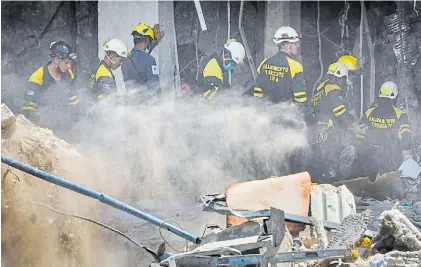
(157, 31)
(406, 154)
(360, 130)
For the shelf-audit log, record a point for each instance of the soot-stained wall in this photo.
(27, 31)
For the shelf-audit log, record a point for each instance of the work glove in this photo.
(157, 31)
(406, 154)
(360, 130)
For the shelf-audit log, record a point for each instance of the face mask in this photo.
(229, 66)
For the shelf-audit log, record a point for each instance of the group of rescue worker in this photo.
(51, 99)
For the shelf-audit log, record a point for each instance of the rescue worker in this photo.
(332, 117)
(387, 132)
(354, 70)
(50, 98)
(102, 81)
(281, 78)
(212, 76)
(139, 68)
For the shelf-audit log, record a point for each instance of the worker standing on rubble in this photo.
(103, 81)
(332, 118)
(281, 78)
(51, 99)
(140, 69)
(387, 132)
(211, 79)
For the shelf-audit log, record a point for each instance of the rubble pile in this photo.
(32, 233)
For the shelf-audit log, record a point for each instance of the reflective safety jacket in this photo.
(140, 69)
(330, 106)
(387, 125)
(103, 82)
(211, 79)
(281, 79)
(48, 102)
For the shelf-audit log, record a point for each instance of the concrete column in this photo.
(277, 15)
(116, 19)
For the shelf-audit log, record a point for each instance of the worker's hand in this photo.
(157, 31)
(406, 154)
(360, 129)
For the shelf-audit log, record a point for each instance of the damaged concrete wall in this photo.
(27, 31)
(211, 41)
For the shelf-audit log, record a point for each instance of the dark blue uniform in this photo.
(140, 69)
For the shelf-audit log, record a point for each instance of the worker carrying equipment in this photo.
(387, 132)
(102, 80)
(51, 99)
(140, 71)
(332, 118)
(281, 78)
(211, 79)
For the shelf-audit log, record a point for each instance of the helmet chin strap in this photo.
(113, 62)
(57, 65)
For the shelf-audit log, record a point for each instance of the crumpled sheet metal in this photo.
(386, 185)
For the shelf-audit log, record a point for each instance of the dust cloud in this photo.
(161, 158)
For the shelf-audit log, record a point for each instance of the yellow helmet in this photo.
(142, 29)
(349, 61)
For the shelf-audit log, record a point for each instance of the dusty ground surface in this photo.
(33, 235)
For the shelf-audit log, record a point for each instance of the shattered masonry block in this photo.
(351, 230)
(7, 117)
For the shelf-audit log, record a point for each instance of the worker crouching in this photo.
(51, 99)
(386, 135)
(212, 77)
(332, 120)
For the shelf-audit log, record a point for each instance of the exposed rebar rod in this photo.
(99, 196)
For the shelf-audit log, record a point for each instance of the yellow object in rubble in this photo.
(365, 242)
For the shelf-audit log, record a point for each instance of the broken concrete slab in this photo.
(385, 185)
(7, 117)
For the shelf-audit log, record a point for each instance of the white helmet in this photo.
(286, 34)
(236, 49)
(338, 69)
(117, 46)
(389, 90)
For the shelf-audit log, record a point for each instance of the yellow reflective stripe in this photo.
(338, 108)
(258, 89)
(213, 93)
(360, 136)
(330, 123)
(258, 95)
(292, 105)
(340, 112)
(405, 130)
(299, 93)
(74, 100)
(301, 100)
(32, 103)
(404, 126)
(100, 97)
(206, 93)
(28, 108)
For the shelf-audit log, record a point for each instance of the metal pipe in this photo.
(361, 57)
(243, 37)
(229, 34)
(200, 15)
(97, 195)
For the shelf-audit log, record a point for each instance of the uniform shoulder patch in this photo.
(155, 70)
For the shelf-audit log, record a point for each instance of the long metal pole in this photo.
(246, 46)
(97, 195)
